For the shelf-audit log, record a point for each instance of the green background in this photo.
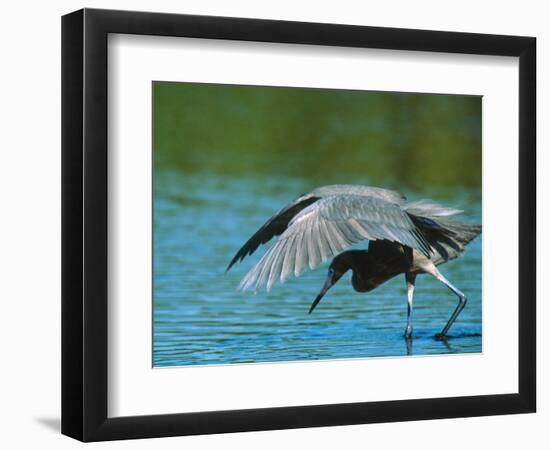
(412, 140)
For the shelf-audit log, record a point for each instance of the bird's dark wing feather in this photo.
(326, 228)
(447, 236)
(275, 226)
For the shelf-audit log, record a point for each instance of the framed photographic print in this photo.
(273, 224)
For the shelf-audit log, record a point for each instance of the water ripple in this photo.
(200, 318)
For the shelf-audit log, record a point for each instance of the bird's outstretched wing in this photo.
(275, 226)
(326, 228)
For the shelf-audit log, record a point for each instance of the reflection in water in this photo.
(446, 344)
(200, 317)
(409, 343)
(446, 347)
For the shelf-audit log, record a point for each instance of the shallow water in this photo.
(201, 318)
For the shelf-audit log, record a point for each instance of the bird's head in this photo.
(338, 267)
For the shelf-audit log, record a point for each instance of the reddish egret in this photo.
(409, 238)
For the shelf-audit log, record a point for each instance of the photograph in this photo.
(295, 224)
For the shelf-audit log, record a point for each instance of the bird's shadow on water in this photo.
(52, 423)
(409, 345)
(464, 335)
(445, 339)
(446, 342)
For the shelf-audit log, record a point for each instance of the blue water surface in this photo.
(201, 318)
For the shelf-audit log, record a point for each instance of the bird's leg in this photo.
(432, 270)
(462, 300)
(410, 278)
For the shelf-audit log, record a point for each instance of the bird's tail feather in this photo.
(446, 235)
(429, 208)
(462, 232)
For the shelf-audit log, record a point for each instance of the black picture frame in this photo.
(84, 224)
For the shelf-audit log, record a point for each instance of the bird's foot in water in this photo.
(441, 337)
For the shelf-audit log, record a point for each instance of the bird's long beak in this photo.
(331, 280)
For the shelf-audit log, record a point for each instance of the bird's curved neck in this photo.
(357, 262)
